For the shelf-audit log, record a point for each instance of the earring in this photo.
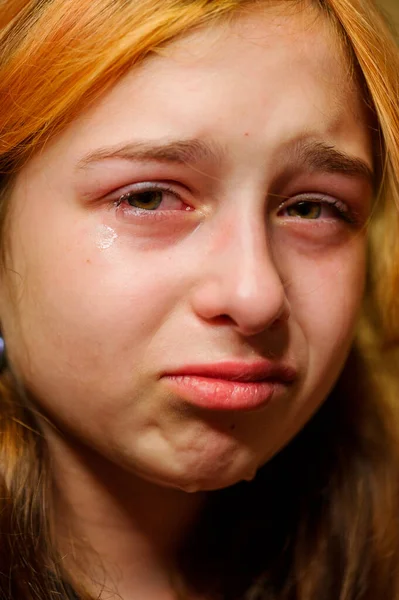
(3, 361)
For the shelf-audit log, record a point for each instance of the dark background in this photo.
(392, 7)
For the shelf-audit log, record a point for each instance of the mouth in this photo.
(230, 386)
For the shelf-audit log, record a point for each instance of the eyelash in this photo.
(342, 210)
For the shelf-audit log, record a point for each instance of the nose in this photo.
(240, 282)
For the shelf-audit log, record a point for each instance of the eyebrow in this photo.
(314, 155)
(189, 151)
(321, 157)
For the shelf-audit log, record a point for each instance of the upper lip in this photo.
(258, 371)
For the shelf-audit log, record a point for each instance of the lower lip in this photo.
(221, 394)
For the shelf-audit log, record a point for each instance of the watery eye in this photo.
(305, 210)
(149, 200)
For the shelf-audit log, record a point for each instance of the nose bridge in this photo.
(242, 281)
(254, 274)
(253, 264)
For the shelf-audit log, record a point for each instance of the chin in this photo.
(194, 480)
(216, 483)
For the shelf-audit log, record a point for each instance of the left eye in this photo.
(313, 210)
(151, 200)
(305, 210)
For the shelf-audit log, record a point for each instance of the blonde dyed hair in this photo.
(334, 534)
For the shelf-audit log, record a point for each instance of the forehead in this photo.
(272, 74)
(277, 26)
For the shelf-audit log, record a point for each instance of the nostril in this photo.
(222, 320)
(278, 322)
(282, 317)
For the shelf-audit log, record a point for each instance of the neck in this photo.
(123, 532)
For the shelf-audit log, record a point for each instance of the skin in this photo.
(109, 300)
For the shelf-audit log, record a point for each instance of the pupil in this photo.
(308, 209)
(149, 200)
(304, 208)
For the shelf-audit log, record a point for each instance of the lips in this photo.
(230, 385)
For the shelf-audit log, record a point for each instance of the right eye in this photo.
(151, 199)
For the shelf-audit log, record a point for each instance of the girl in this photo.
(199, 241)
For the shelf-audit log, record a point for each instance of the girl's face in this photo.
(205, 217)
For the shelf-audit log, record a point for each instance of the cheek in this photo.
(323, 266)
(325, 294)
(83, 305)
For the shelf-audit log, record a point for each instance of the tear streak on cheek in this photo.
(105, 237)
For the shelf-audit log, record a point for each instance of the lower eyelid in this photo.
(132, 216)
